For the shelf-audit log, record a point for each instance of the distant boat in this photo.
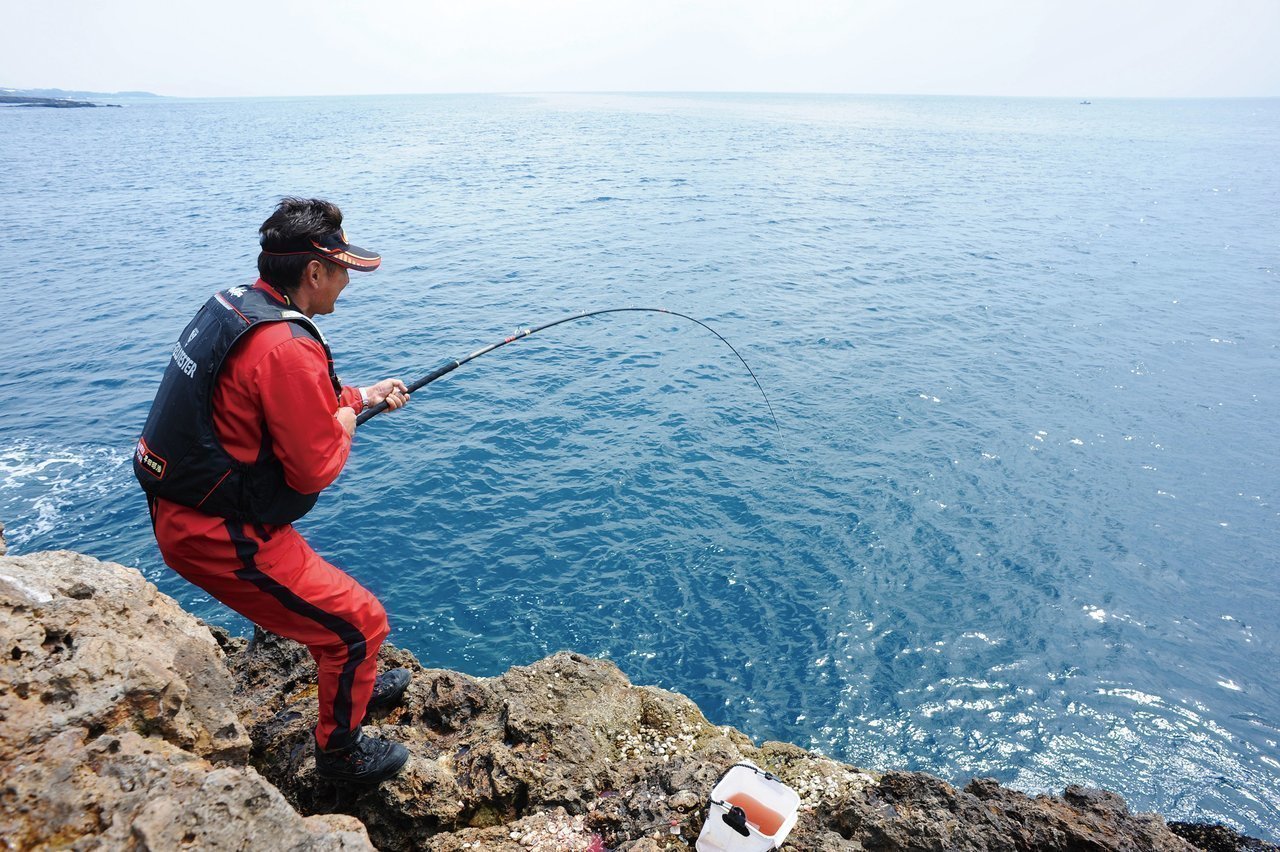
(1086, 102)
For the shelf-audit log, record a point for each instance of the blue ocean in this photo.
(1022, 515)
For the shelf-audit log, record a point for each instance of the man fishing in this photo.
(249, 425)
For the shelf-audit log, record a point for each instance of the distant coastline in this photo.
(57, 103)
(63, 99)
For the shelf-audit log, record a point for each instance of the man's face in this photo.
(332, 281)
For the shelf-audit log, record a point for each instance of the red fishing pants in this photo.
(272, 577)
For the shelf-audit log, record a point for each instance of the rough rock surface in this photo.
(127, 724)
(1219, 838)
(117, 729)
(566, 754)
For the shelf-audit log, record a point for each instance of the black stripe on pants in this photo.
(246, 549)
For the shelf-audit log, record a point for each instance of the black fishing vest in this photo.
(179, 456)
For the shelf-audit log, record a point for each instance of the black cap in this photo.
(334, 247)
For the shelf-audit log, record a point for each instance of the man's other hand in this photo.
(347, 417)
(391, 391)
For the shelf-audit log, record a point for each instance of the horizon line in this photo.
(685, 92)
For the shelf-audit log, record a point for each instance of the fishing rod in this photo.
(374, 411)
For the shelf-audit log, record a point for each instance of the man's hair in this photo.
(295, 220)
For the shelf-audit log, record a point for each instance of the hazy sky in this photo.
(1074, 48)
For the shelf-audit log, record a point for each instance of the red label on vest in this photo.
(149, 460)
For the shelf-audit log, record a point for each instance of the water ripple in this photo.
(1022, 518)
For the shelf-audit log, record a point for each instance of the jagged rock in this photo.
(126, 723)
(568, 732)
(135, 792)
(93, 645)
(909, 810)
(4, 547)
(1219, 838)
(117, 728)
(567, 754)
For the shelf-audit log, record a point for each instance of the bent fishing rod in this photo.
(374, 411)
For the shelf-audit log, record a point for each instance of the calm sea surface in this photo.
(1022, 520)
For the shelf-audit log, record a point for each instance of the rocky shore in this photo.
(56, 103)
(126, 723)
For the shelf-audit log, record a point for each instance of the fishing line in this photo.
(440, 372)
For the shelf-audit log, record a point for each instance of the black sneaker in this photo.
(370, 761)
(388, 688)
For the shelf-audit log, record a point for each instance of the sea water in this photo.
(1022, 518)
